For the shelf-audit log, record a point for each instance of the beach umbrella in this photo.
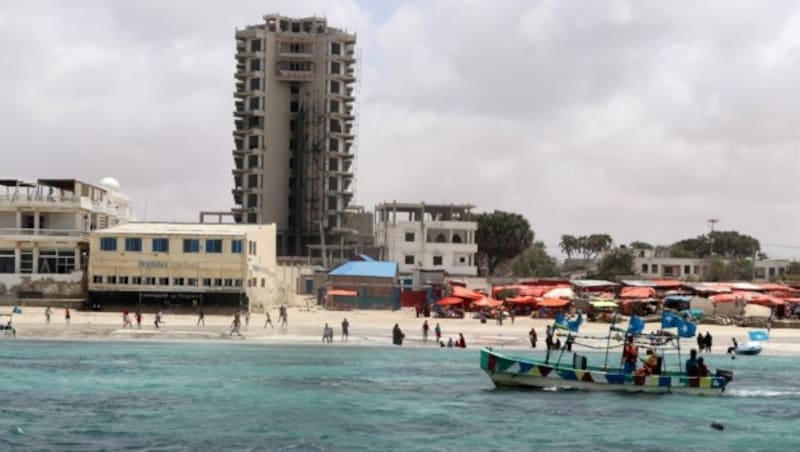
(560, 292)
(449, 301)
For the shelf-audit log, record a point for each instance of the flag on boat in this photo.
(635, 325)
(673, 320)
(16, 310)
(572, 325)
(758, 335)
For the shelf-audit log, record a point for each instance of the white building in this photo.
(648, 265)
(44, 233)
(167, 265)
(427, 237)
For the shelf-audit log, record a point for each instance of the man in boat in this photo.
(691, 364)
(650, 366)
(630, 354)
(702, 370)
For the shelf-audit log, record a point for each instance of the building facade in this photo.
(44, 233)
(295, 129)
(648, 265)
(427, 237)
(169, 265)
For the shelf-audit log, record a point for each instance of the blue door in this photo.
(309, 286)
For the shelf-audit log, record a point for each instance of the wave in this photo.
(761, 393)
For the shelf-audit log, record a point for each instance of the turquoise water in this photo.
(179, 396)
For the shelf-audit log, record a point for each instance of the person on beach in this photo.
(126, 320)
(269, 320)
(283, 316)
(66, 315)
(247, 318)
(691, 364)
(532, 336)
(425, 329)
(47, 313)
(707, 342)
(139, 319)
(460, 342)
(201, 317)
(345, 330)
(157, 319)
(548, 340)
(397, 335)
(236, 325)
(701, 342)
(450, 343)
(512, 313)
(325, 334)
(438, 331)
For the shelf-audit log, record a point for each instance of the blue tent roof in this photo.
(379, 269)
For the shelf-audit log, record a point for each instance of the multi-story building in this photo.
(427, 237)
(649, 265)
(44, 233)
(295, 129)
(157, 265)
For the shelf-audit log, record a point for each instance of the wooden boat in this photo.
(506, 370)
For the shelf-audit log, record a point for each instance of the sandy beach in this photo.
(367, 328)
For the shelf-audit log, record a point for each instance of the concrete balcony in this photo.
(45, 201)
(294, 76)
(296, 55)
(42, 234)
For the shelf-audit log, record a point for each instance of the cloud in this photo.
(639, 119)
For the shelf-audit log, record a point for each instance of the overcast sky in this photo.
(638, 119)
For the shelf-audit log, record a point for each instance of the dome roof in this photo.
(110, 183)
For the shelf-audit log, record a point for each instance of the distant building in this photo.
(295, 130)
(44, 233)
(372, 284)
(177, 265)
(432, 237)
(648, 265)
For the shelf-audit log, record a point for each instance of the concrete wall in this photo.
(48, 285)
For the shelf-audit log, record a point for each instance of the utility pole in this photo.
(711, 223)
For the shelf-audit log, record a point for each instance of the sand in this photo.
(367, 327)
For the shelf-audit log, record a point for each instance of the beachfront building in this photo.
(181, 265)
(44, 233)
(649, 265)
(295, 130)
(363, 283)
(427, 237)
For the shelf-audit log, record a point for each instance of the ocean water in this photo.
(199, 396)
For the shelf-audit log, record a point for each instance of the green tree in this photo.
(569, 245)
(793, 268)
(501, 236)
(639, 245)
(734, 270)
(729, 244)
(535, 262)
(616, 262)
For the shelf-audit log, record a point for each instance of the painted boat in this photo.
(750, 348)
(506, 370)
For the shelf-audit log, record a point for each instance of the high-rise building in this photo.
(295, 130)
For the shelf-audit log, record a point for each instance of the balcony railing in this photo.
(27, 232)
(30, 200)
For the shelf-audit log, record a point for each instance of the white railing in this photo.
(25, 199)
(45, 232)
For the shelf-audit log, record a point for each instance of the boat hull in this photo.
(523, 372)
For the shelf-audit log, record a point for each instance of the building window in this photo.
(462, 260)
(333, 145)
(237, 283)
(191, 246)
(133, 244)
(263, 282)
(254, 103)
(213, 246)
(160, 245)
(335, 87)
(55, 261)
(332, 204)
(409, 260)
(437, 260)
(687, 269)
(654, 268)
(236, 246)
(136, 280)
(108, 243)
(26, 261)
(409, 236)
(336, 67)
(255, 84)
(255, 64)
(251, 247)
(334, 106)
(336, 48)
(206, 282)
(252, 142)
(150, 280)
(191, 282)
(696, 270)
(7, 261)
(255, 45)
(218, 282)
(644, 268)
(228, 282)
(177, 281)
(252, 161)
(111, 279)
(163, 281)
(97, 279)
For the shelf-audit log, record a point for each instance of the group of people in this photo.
(49, 312)
(327, 332)
(704, 342)
(696, 367)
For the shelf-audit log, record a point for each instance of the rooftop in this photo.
(378, 269)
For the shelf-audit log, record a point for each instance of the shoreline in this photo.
(368, 328)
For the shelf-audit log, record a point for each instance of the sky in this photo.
(640, 119)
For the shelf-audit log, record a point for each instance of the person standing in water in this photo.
(425, 329)
(201, 317)
(345, 330)
(139, 319)
(268, 321)
(47, 313)
(67, 315)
